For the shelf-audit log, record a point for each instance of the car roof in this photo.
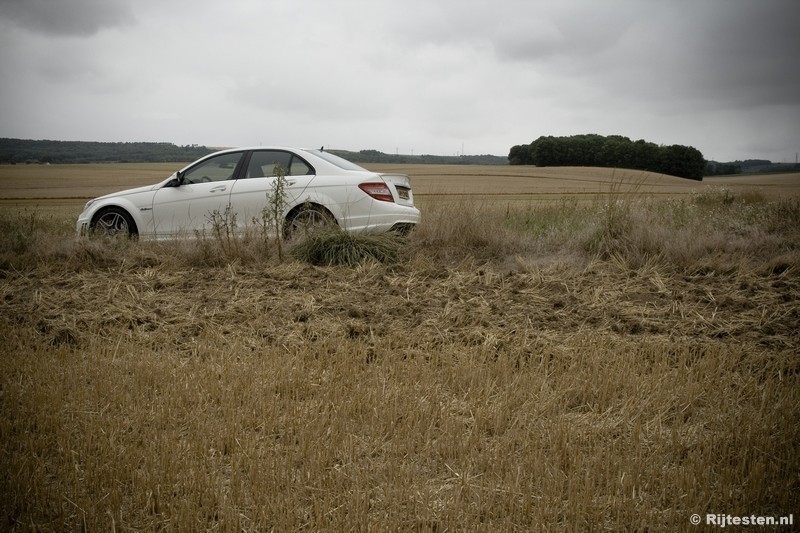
(309, 153)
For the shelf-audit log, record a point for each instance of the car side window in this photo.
(219, 168)
(299, 167)
(264, 162)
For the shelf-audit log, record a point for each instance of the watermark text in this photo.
(726, 520)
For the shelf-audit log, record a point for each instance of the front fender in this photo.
(140, 211)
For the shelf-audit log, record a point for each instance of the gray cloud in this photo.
(404, 74)
(751, 52)
(66, 17)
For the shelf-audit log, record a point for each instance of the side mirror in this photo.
(176, 181)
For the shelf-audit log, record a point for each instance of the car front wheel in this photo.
(114, 221)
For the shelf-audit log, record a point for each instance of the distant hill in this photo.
(26, 151)
(374, 156)
(748, 166)
(20, 151)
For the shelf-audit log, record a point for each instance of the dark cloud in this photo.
(751, 52)
(708, 55)
(66, 17)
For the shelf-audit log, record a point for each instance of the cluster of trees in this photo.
(14, 151)
(610, 151)
(375, 156)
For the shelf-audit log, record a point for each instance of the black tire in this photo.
(305, 219)
(113, 221)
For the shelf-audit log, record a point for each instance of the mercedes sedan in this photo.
(239, 187)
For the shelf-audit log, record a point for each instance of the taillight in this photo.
(379, 191)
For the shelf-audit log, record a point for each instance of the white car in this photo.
(320, 187)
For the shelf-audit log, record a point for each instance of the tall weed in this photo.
(452, 231)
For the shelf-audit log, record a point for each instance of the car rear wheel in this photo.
(114, 221)
(306, 218)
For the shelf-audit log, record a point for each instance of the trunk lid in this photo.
(401, 188)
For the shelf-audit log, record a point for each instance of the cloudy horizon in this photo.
(435, 77)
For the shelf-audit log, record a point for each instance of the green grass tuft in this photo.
(335, 247)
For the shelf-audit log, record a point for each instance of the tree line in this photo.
(578, 150)
(748, 166)
(21, 151)
(593, 150)
(375, 156)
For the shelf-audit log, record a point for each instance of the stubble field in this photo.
(554, 350)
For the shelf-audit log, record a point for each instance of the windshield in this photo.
(336, 160)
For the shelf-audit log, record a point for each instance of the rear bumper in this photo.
(402, 228)
(384, 217)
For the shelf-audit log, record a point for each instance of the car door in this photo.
(200, 197)
(256, 185)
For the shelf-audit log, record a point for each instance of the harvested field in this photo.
(614, 364)
(81, 182)
(78, 182)
(537, 183)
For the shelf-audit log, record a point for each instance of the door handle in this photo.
(218, 188)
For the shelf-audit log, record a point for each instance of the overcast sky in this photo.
(408, 76)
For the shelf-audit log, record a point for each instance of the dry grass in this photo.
(618, 364)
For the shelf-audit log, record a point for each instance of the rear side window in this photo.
(264, 163)
(336, 160)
